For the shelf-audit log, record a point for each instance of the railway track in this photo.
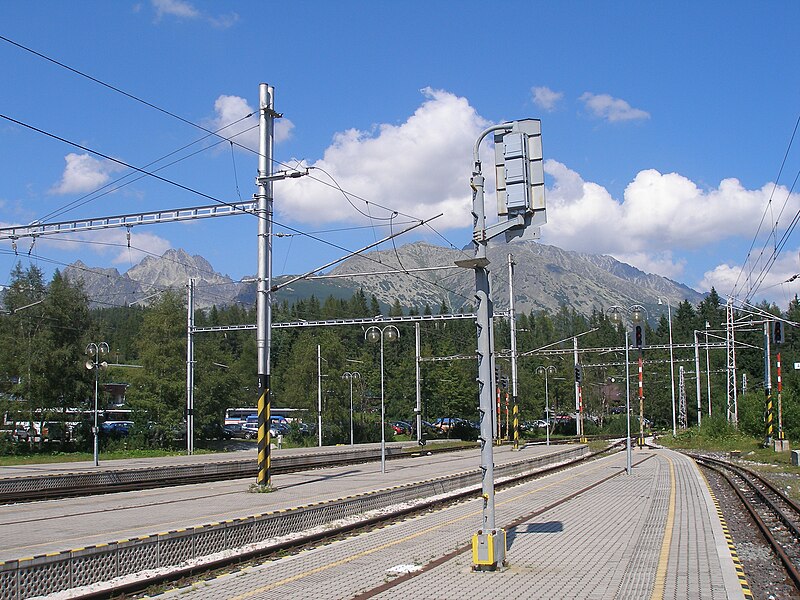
(776, 515)
(70, 485)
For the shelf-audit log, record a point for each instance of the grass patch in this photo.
(717, 435)
(68, 457)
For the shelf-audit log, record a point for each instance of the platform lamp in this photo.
(548, 370)
(350, 376)
(671, 367)
(375, 334)
(95, 351)
(616, 318)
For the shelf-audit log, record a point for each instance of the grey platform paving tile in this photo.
(603, 544)
(78, 522)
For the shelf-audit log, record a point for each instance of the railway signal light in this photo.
(777, 332)
(578, 373)
(638, 336)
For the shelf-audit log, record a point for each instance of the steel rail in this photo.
(752, 481)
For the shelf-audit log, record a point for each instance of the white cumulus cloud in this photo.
(761, 278)
(84, 173)
(420, 167)
(181, 9)
(175, 8)
(658, 214)
(545, 98)
(612, 109)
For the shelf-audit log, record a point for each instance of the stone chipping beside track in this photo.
(764, 572)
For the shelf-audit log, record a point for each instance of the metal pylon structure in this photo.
(730, 346)
(681, 399)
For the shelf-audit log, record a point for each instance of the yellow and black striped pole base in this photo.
(516, 425)
(264, 475)
(769, 419)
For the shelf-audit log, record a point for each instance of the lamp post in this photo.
(95, 351)
(671, 369)
(375, 334)
(350, 376)
(549, 370)
(708, 370)
(616, 317)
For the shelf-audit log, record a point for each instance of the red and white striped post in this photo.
(780, 404)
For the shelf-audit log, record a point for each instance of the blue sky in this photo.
(665, 125)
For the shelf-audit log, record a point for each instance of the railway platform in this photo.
(244, 450)
(589, 532)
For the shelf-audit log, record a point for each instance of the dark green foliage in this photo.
(46, 329)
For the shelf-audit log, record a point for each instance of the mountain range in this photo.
(545, 278)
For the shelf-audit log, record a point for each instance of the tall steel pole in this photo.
(708, 371)
(266, 100)
(383, 415)
(697, 372)
(768, 388)
(578, 407)
(418, 409)
(641, 398)
(190, 369)
(513, 326)
(319, 394)
(628, 457)
(488, 535)
(672, 372)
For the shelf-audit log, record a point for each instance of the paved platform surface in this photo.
(653, 534)
(35, 528)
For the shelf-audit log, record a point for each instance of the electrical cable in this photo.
(88, 196)
(182, 119)
(766, 208)
(779, 245)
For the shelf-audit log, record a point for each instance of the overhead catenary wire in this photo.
(186, 121)
(171, 114)
(735, 288)
(779, 245)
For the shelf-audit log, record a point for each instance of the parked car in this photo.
(446, 423)
(250, 431)
(401, 427)
(277, 428)
(24, 433)
(234, 430)
(116, 428)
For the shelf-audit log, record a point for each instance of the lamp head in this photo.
(373, 335)
(391, 333)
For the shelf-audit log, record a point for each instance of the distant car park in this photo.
(116, 428)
